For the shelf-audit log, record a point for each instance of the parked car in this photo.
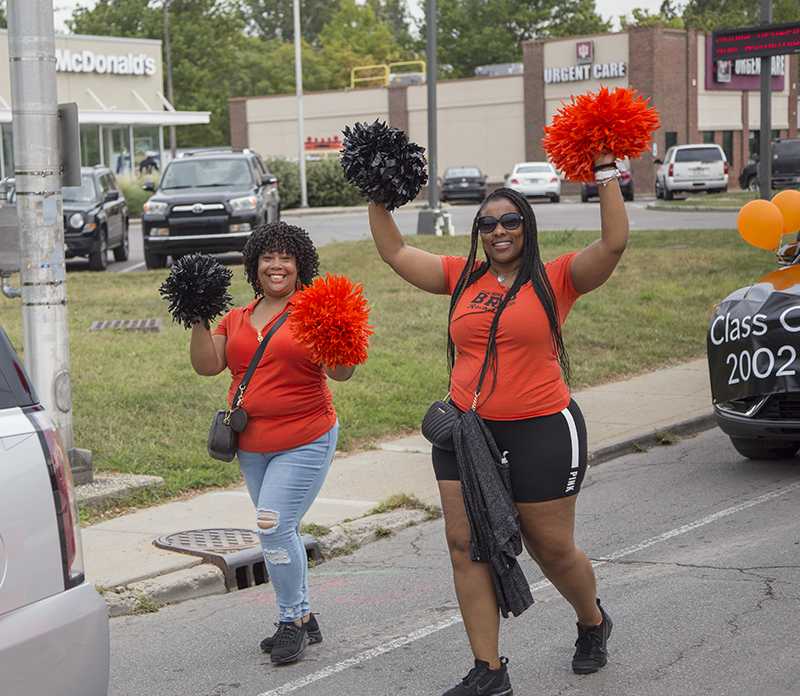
(207, 201)
(688, 168)
(785, 163)
(535, 180)
(748, 177)
(463, 183)
(54, 632)
(625, 184)
(95, 218)
(754, 363)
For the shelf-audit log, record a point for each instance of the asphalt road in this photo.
(696, 553)
(569, 214)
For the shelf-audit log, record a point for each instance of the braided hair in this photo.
(280, 238)
(532, 269)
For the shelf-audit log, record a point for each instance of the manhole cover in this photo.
(209, 541)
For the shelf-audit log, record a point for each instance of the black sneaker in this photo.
(591, 654)
(482, 681)
(290, 642)
(312, 629)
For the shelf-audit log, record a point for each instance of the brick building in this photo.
(493, 122)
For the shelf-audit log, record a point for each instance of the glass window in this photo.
(708, 136)
(727, 144)
(670, 139)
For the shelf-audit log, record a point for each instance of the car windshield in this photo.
(538, 168)
(84, 193)
(218, 172)
(456, 172)
(698, 154)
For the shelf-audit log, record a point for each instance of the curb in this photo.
(205, 579)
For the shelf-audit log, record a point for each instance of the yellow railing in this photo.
(383, 72)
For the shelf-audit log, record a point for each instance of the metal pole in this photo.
(173, 143)
(45, 335)
(765, 160)
(298, 74)
(433, 184)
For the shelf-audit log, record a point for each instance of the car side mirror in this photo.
(506, 175)
(268, 179)
(111, 196)
(657, 161)
(149, 186)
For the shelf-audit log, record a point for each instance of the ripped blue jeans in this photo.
(283, 485)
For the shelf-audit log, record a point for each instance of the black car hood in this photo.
(205, 194)
(69, 207)
(753, 340)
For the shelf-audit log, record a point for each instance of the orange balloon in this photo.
(788, 202)
(760, 223)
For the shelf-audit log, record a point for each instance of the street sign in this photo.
(756, 42)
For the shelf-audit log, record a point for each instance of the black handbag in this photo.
(438, 423)
(223, 437)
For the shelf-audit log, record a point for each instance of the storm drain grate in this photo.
(236, 552)
(151, 325)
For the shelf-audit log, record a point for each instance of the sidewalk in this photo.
(120, 555)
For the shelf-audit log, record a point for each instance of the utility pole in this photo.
(298, 75)
(765, 161)
(173, 142)
(38, 177)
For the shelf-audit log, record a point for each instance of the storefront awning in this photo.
(113, 117)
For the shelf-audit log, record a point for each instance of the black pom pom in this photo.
(383, 164)
(197, 290)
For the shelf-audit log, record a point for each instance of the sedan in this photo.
(625, 184)
(463, 183)
(535, 180)
(754, 363)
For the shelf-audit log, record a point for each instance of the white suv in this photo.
(54, 633)
(692, 168)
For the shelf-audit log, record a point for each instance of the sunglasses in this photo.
(509, 221)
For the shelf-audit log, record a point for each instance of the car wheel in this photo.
(121, 252)
(752, 183)
(584, 196)
(555, 199)
(152, 260)
(629, 196)
(668, 195)
(757, 449)
(659, 194)
(98, 261)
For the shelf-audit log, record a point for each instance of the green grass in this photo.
(140, 408)
(730, 199)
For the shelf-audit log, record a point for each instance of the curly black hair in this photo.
(280, 238)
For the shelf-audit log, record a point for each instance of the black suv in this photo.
(785, 163)
(208, 201)
(95, 218)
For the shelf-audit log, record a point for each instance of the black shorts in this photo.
(547, 455)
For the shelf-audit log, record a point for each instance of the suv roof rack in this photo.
(217, 150)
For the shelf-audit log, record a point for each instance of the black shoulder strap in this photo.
(237, 402)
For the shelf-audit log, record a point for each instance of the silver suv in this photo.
(54, 633)
(688, 168)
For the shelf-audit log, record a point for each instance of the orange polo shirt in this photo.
(529, 379)
(288, 402)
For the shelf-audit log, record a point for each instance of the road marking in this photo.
(456, 619)
(132, 268)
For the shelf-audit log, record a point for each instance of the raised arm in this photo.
(594, 265)
(418, 267)
(207, 352)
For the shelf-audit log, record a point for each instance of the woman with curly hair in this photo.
(287, 447)
(512, 306)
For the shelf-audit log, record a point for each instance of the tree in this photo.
(353, 38)
(483, 32)
(274, 19)
(708, 15)
(667, 16)
(3, 18)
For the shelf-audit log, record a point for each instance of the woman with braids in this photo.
(515, 303)
(287, 447)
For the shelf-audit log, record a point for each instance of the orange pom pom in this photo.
(594, 123)
(329, 318)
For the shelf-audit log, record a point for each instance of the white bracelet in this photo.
(606, 175)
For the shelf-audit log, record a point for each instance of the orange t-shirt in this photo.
(288, 402)
(529, 379)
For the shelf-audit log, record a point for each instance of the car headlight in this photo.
(241, 205)
(155, 207)
(76, 221)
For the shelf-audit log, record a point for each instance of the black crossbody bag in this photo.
(223, 437)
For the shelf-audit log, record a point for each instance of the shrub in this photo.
(327, 185)
(288, 175)
(135, 195)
